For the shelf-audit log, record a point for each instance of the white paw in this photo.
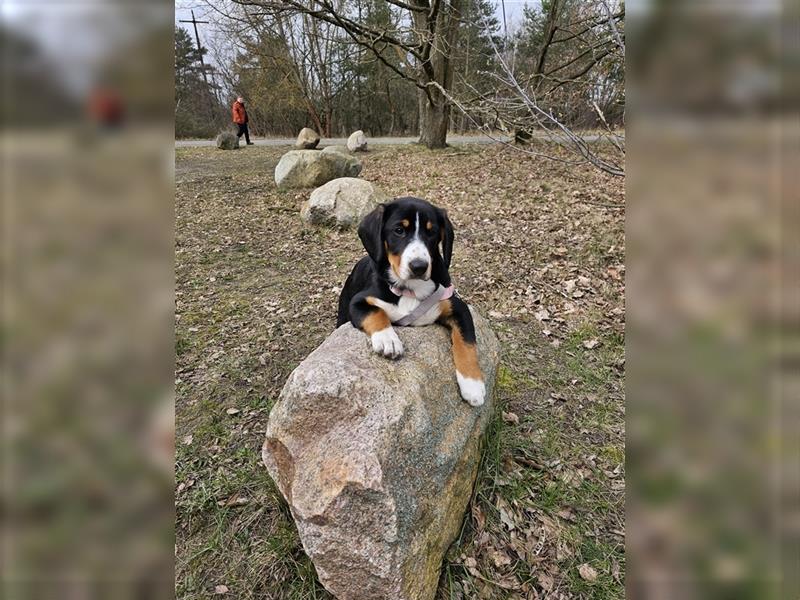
(387, 343)
(472, 390)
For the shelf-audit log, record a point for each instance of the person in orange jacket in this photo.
(240, 118)
(106, 108)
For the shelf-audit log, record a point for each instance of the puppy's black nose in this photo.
(418, 267)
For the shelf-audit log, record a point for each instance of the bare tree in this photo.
(422, 35)
(338, 65)
(575, 71)
(284, 62)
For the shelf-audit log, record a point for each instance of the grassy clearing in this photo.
(539, 251)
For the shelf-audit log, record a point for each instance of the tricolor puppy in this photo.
(404, 280)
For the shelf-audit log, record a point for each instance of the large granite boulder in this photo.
(312, 168)
(357, 142)
(377, 458)
(227, 141)
(339, 149)
(342, 202)
(307, 139)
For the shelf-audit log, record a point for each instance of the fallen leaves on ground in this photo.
(539, 250)
(587, 572)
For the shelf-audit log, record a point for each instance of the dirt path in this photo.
(381, 141)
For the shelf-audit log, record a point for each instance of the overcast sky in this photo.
(183, 11)
(77, 36)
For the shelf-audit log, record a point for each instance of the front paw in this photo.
(472, 390)
(387, 343)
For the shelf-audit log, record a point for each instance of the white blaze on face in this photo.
(416, 250)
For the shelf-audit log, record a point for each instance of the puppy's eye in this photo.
(400, 230)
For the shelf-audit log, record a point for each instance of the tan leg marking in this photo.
(465, 356)
(445, 309)
(376, 321)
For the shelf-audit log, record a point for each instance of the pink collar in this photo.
(446, 293)
(402, 292)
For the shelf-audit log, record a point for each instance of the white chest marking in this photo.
(405, 304)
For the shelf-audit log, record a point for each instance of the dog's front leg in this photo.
(376, 324)
(455, 315)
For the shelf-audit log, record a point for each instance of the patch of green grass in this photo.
(283, 540)
(491, 456)
(602, 558)
(506, 380)
(612, 453)
(182, 344)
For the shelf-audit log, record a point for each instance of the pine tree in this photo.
(476, 54)
(196, 108)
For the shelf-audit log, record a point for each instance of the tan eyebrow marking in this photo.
(428, 225)
(405, 222)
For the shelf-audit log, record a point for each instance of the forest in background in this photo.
(396, 68)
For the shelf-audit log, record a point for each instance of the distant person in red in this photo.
(106, 108)
(240, 118)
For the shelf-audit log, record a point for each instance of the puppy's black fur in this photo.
(385, 233)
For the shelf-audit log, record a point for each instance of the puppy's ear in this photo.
(370, 233)
(447, 234)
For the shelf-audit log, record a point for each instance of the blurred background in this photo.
(87, 127)
(712, 454)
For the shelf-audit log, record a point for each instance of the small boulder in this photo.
(357, 142)
(522, 136)
(339, 149)
(307, 139)
(227, 141)
(311, 168)
(342, 202)
(377, 458)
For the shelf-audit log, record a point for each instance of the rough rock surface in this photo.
(342, 202)
(357, 142)
(307, 139)
(339, 149)
(227, 141)
(377, 458)
(312, 168)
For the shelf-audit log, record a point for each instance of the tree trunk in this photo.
(328, 121)
(549, 33)
(433, 120)
(437, 67)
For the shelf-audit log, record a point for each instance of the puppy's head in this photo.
(405, 234)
